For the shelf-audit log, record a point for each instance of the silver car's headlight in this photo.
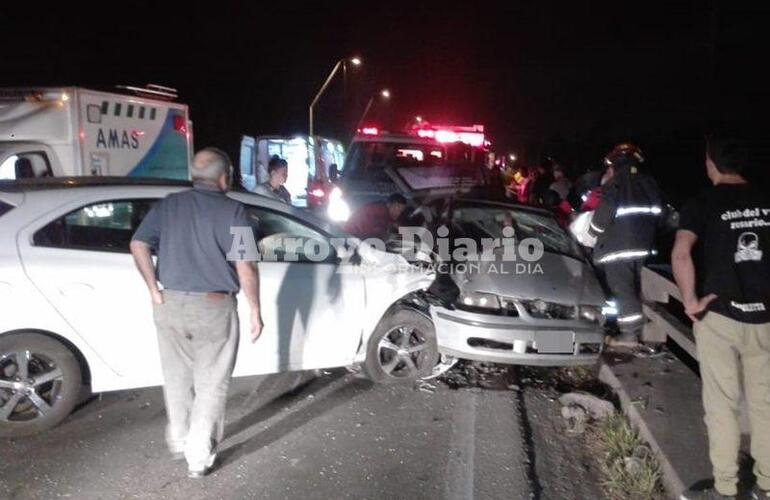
(539, 308)
(338, 210)
(592, 314)
(610, 309)
(478, 300)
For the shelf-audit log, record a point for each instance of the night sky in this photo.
(545, 78)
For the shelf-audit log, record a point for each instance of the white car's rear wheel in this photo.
(40, 382)
(403, 348)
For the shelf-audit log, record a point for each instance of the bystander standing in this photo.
(726, 292)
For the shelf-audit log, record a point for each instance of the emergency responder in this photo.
(378, 220)
(624, 224)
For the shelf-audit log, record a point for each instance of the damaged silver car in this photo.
(542, 309)
(497, 305)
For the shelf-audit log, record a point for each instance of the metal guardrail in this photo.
(658, 288)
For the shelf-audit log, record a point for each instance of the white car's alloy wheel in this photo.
(402, 352)
(402, 348)
(39, 383)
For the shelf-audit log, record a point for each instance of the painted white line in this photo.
(462, 449)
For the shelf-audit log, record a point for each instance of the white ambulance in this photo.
(64, 131)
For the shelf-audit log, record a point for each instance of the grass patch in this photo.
(618, 445)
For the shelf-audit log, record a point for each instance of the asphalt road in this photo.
(333, 436)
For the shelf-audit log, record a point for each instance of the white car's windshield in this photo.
(477, 222)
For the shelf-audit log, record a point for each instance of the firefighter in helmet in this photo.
(624, 224)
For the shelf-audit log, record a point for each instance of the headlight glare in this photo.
(478, 300)
(610, 308)
(592, 314)
(338, 209)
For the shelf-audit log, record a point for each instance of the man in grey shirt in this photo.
(196, 312)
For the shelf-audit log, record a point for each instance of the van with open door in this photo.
(310, 162)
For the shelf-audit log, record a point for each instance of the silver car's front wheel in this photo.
(40, 382)
(402, 348)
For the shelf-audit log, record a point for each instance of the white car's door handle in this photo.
(76, 289)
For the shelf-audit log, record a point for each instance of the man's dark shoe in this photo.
(759, 494)
(709, 494)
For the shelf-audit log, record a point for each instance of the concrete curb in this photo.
(672, 482)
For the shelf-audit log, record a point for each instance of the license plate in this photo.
(555, 342)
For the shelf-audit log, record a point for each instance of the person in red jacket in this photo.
(377, 220)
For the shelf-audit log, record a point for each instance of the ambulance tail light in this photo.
(180, 125)
(316, 194)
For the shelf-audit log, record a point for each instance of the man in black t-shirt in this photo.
(726, 292)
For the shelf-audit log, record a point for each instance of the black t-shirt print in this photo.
(732, 254)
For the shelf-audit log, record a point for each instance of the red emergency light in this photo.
(473, 136)
(369, 131)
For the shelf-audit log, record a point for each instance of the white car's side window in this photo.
(285, 235)
(105, 226)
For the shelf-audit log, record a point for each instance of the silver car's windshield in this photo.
(478, 222)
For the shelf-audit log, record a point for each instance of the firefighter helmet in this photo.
(625, 154)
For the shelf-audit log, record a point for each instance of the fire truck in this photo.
(366, 175)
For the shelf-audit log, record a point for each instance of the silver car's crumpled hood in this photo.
(563, 279)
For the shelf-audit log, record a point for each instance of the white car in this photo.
(76, 312)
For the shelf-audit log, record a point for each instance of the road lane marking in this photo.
(462, 449)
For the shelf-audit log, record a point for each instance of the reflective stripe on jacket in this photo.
(626, 219)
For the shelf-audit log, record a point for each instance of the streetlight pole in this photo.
(356, 61)
(385, 94)
(366, 111)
